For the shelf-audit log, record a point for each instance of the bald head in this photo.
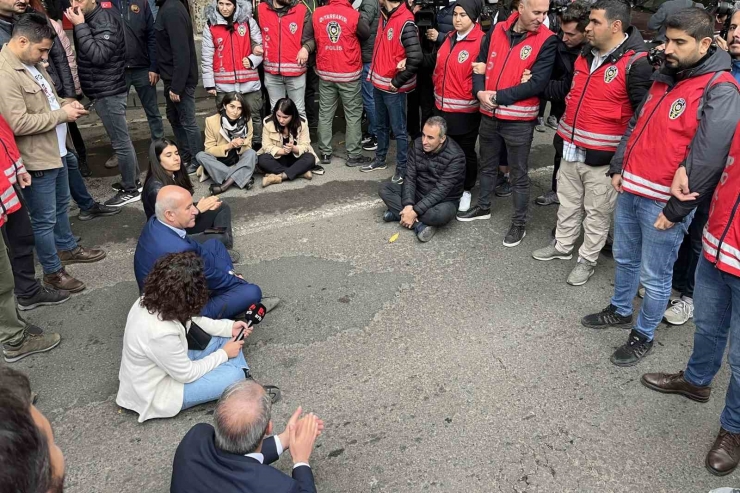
(242, 418)
(175, 207)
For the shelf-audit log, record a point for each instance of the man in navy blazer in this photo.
(164, 233)
(233, 456)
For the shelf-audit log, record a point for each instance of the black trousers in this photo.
(438, 215)
(220, 218)
(467, 144)
(18, 237)
(420, 104)
(290, 165)
(557, 143)
(312, 89)
(78, 141)
(684, 269)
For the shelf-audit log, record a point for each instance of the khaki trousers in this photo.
(584, 189)
(11, 327)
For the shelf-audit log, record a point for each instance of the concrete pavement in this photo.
(458, 365)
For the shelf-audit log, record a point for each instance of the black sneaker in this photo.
(366, 138)
(636, 348)
(326, 159)
(123, 198)
(354, 162)
(45, 297)
(250, 184)
(503, 189)
(397, 178)
(84, 169)
(608, 317)
(390, 217)
(119, 188)
(474, 213)
(191, 168)
(371, 145)
(375, 165)
(515, 235)
(97, 210)
(425, 233)
(318, 170)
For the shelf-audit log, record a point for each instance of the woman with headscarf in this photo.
(229, 158)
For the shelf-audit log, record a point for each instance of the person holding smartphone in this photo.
(286, 146)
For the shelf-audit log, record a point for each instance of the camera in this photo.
(425, 17)
(656, 57)
(559, 6)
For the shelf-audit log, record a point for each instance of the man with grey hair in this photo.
(433, 185)
(233, 454)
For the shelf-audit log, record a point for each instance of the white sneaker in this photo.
(680, 312)
(464, 202)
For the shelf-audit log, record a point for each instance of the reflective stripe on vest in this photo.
(453, 73)
(339, 77)
(585, 139)
(517, 112)
(646, 188)
(338, 51)
(456, 105)
(389, 50)
(281, 39)
(728, 255)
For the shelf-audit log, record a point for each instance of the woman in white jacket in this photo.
(230, 54)
(159, 376)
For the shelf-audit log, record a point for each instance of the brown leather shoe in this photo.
(63, 281)
(724, 455)
(81, 255)
(675, 383)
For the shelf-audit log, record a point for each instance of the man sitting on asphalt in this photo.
(233, 455)
(433, 185)
(230, 294)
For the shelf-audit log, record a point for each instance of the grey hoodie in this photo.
(711, 143)
(213, 17)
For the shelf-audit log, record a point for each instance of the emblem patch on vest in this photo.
(333, 29)
(464, 55)
(525, 52)
(390, 34)
(293, 27)
(610, 74)
(677, 108)
(135, 8)
(242, 30)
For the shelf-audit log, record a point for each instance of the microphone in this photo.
(254, 315)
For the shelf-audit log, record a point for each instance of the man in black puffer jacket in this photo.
(433, 185)
(100, 44)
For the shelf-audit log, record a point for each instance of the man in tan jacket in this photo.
(39, 120)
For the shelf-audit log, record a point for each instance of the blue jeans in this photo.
(48, 200)
(77, 186)
(184, 125)
(716, 313)
(644, 255)
(367, 99)
(139, 78)
(210, 386)
(112, 113)
(391, 108)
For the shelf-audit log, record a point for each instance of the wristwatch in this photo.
(493, 99)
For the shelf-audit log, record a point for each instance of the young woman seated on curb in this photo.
(229, 158)
(286, 146)
(214, 220)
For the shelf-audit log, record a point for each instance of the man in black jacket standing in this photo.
(178, 66)
(433, 185)
(101, 62)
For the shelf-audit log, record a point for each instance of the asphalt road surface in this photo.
(458, 365)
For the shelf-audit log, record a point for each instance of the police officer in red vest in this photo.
(677, 143)
(510, 107)
(287, 37)
(610, 79)
(338, 30)
(717, 318)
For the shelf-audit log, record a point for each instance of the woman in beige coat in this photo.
(286, 146)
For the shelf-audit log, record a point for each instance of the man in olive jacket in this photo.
(433, 185)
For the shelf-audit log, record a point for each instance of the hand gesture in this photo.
(303, 436)
(302, 57)
(246, 62)
(24, 180)
(153, 78)
(721, 42)
(208, 204)
(401, 65)
(662, 223)
(392, 88)
(75, 16)
(680, 186)
(74, 111)
(288, 147)
(617, 182)
(258, 50)
(212, 92)
(432, 34)
(408, 217)
(526, 75)
(237, 327)
(175, 98)
(479, 68)
(233, 348)
(484, 97)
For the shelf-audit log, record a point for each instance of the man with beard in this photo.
(676, 144)
(30, 461)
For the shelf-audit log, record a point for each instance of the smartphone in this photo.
(89, 105)
(215, 230)
(286, 140)
(240, 335)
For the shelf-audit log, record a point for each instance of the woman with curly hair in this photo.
(159, 375)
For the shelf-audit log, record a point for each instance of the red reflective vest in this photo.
(597, 108)
(338, 52)
(389, 50)
(506, 66)
(722, 234)
(660, 141)
(453, 73)
(10, 165)
(230, 48)
(281, 39)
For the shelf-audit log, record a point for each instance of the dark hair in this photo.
(156, 171)
(176, 287)
(695, 22)
(53, 9)
(287, 107)
(615, 10)
(33, 26)
(577, 12)
(24, 451)
(230, 97)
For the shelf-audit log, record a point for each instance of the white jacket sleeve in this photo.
(206, 58)
(167, 351)
(255, 35)
(219, 328)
